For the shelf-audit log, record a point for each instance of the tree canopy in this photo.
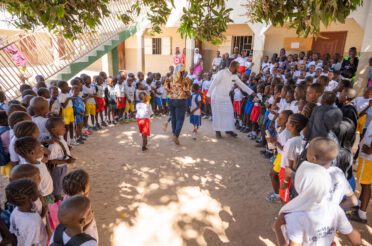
(205, 20)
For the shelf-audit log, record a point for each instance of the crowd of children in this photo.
(305, 113)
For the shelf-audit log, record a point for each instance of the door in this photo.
(329, 42)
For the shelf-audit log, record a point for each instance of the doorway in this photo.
(330, 42)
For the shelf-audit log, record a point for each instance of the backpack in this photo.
(4, 157)
(346, 135)
(74, 241)
(196, 99)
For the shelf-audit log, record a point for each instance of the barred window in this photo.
(156, 46)
(243, 43)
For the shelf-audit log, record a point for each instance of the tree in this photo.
(306, 16)
(202, 19)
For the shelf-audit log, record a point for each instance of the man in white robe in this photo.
(222, 108)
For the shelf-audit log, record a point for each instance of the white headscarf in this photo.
(313, 185)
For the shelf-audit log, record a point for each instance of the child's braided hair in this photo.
(25, 145)
(18, 191)
(24, 128)
(16, 117)
(299, 121)
(75, 182)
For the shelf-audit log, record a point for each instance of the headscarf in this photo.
(177, 75)
(313, 185)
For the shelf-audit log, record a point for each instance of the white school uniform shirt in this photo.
(282, 105)
(194, 105)
(28, 228)
(56, 151)
(331, 85)
(40, 122)
(292, 149)
(293, 106)
(241, 61)
(206, 84)
(90, 92)
(119, 90)
(310, 74)
(238, 95)
(159, 92)
(340, 185)
(317, 227)
(144, 110)
(46, 182)
(217, 61)
(282, 138)
(92, 230)
(63, 98)
(100, 91)
(129, 92)
(14, 157)
(367, 140)
(56, 107)
(66, 238)
(265, 67)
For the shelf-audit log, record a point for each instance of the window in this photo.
(156, 46)
(242, 42)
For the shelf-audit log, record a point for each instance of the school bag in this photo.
(74, 241)
(4, 157)
(196, 100)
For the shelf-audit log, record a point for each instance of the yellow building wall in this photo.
(131, 59)
(276, 37)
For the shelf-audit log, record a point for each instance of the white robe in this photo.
(222, 108)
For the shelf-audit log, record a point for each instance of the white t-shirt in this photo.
(367, 140)
(46, 183)
(197, 58)
(265, 67)
(144, 110)
(100, 90)
(92, 230)
(238, 95)
(293, 106)
(159, 92)
(56, 107)
(14, 157)
(194, 105)
(63, 98)
(317, 227)
(89, 91)
(66, 238)
(206, 84)
(282, 105)
(56, 151)
(28, 228)
(282, 138)
(129, 92)
(119, 90)
(310, 74)
(331, 85)
(40, 122)
(292, 149)
(340, 185)
(241, 61)
(217, 61)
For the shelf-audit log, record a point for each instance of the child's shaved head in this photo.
(322, 151)
(39, 105)
(75, 211)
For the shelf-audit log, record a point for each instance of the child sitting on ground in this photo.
(59, 155)
(25, 223)
(291, 150)
(40, 108)
(143, 115)
(74, 214)
(195, 109)
(31, 151)
(77, 183)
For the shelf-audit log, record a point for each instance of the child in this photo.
(67, 111)
(195, 109)
(40, 108)
(25, 223)
(237, 105)
(54, 105)
(3, 104)
(43, 92)
(310, 218)
(291, 150)
(100, 100)
(74, 215)
(256, 110)
(77, 183)
(31, 151)
(111, 99)
(130, 96)
(89, 95)
(143, 115)
(79, 113)
(120, 98)
(205, 87)
(282, 137)
(59, 155)
(4, 144)
(158, 92)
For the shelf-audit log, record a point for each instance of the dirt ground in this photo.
(204, 192)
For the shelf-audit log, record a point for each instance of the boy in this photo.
(120, 98)
(54, 104)
(40, 108)
(74, 215)
(79, 113)
(100, 100)
(130, 96)
(90, 103)
(67, 111)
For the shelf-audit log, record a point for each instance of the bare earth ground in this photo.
(204, 192)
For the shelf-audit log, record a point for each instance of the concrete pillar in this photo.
(259, 30)
(366, 51)
(140, 51)
(190, 46)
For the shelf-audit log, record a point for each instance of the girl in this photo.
(77, 183)
(143, 114)
(59, 155)
(195, 109)
(32, 153)
(292, 149)
(25, 223)
(111, 101)
(79, 114)
(311, 218)
(54, 105)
